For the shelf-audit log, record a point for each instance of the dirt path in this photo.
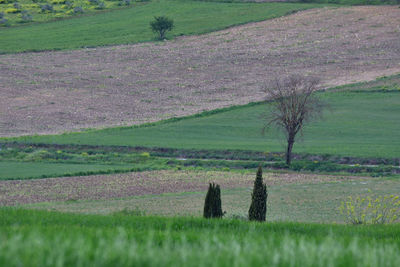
(98, 187)
(53, 92)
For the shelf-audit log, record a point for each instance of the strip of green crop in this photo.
(43, 161)
(131, 25)
(32, 170)
(357, 124)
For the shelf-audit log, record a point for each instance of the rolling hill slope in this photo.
(131, 24)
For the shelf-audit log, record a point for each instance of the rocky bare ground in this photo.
(53, 92)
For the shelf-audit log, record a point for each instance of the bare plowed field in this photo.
(53, 92)
(103, 187)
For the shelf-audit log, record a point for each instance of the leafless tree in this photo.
(293, 104)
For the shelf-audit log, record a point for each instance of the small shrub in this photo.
(16, 5)
(124, 3)
(1, 15)
(280, 165)
(25, 16)
(145, 155)
(101, 5)
(161, 25)
(297, 166)
(46, 8)
(78, 10)
(328, 167)
(4, 22)
(58, 2)
(258, 207)
(212, 203)
(12, 10)
(68, 4)
(37, 155)
(371, 210)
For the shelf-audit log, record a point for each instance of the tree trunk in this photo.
(162, 34)
(289, 150)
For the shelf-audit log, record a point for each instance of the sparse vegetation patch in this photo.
(25, 11)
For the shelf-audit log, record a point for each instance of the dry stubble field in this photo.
(52, 92)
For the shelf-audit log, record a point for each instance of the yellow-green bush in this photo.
(371, 209)
(145, 155)
(58, 2)
(11, 10)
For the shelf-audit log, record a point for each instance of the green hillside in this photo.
(131, 25)
(360, 124)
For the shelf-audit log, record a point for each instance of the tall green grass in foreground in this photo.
(359, 124)
(37, 238)
(131, 25)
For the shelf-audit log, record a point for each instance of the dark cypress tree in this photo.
(212, 203)
(217, 207)
(207, 213)
(258, 207)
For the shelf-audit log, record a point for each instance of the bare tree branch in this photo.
(293, 104)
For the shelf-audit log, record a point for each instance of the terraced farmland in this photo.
(54, 92)
(107, 147)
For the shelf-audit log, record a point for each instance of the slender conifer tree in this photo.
(212, 203)
(258, 207)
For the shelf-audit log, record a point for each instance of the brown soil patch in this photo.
(102, 187)
(54, 92)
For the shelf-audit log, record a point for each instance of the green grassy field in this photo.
(300, 202)
(360, 124)
(29, 170)
(38, 238)
(30, 163)
(131, 25)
